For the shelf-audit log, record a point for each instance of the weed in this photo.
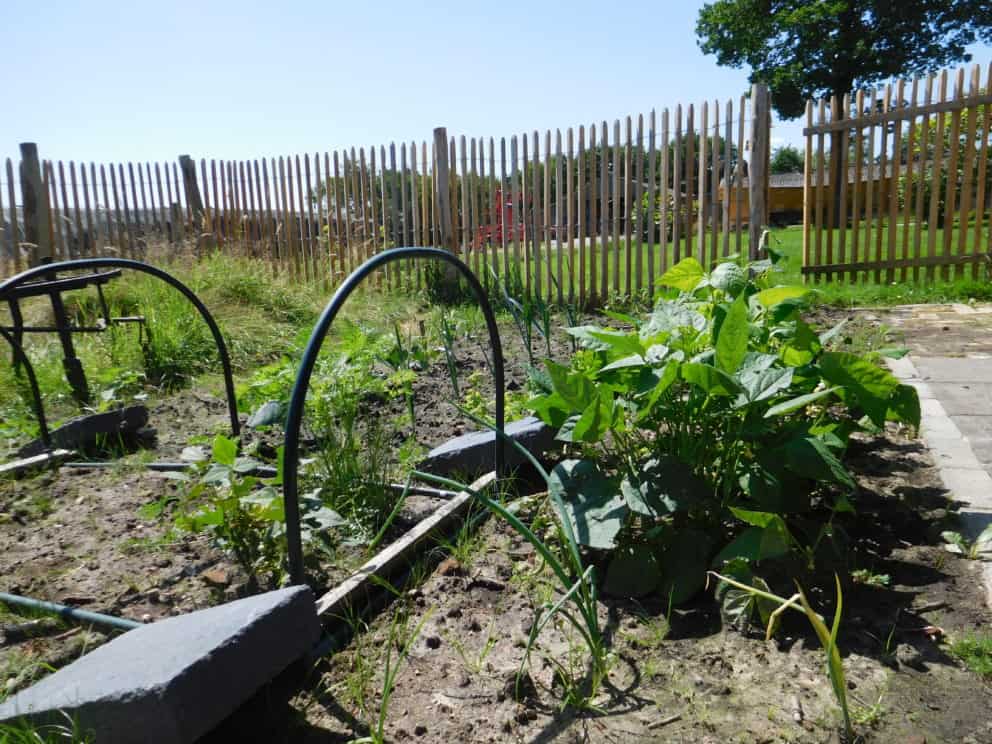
(975, 651)
(957, 543)
(870, 578)
(400, 641)
(25, 732)
(576, 582)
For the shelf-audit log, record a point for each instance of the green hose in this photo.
(69, 613)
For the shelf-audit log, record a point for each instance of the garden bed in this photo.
(764, 429)
(683, 674)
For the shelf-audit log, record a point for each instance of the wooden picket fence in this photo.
(913, 197)
(582, 215)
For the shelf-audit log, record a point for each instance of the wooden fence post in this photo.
(758, 166)
(192, 188)
(37, 212)
(444, 218)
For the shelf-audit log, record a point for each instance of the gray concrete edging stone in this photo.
(172, 681)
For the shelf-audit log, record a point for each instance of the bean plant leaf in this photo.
(595, 420)
(810, 457)
(634, 360)
(665, 379)
(870, 384)
(763, 385)
(662, 486)
(225, 450)
(573, 388)
(669, 316)
(904, 406)
(794, 404)
(586, 337)
(710, 379)
(731, 343)
(774, 295)
(728, 277)
(684, 276)
(619, 342)
(591, 501)
(270, 412)
(768, 537)
(633, 572)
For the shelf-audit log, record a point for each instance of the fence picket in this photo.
(983, 158)
(966, 185)
(652, 192)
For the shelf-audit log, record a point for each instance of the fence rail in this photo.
(582, 214)
(904, 190)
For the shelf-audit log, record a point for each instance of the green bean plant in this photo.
(713, 430)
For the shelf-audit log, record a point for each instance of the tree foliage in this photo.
(787, 159)
(805, 50)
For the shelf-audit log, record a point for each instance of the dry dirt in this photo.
(686, 677)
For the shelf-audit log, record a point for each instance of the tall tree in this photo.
(804, 49)
(787, 159)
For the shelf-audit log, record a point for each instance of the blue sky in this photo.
(119, 81)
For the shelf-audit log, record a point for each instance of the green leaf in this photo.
(670, 316)
(710, 379)
(728, 277)
(810, 458)
(634, 360)
(594, 421)
(225, 450)
(763, 385)
(774, 295)
(684, 276)
(575, 389)
(633, 572)
(870, 384)
(904, 406)
(661, 486)
(551, 409)
(586, 338)
(794, 404)
(758, 543)
(731, 344)
(271, 412)
(591, 501)
(664, 381)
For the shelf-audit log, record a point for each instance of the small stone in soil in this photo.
(433, 642)
(216, 577)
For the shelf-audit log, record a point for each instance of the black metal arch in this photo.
(294, 417)
(126, 263)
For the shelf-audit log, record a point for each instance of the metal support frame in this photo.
(294, 416)
(9, 291)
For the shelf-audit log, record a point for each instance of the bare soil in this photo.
(684, 676)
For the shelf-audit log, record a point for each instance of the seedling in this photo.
(958, 543)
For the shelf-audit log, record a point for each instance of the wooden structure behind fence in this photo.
(565, 214)
(916, 199)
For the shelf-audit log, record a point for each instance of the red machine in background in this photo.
(492, 233)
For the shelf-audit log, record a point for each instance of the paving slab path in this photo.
(950, 365)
